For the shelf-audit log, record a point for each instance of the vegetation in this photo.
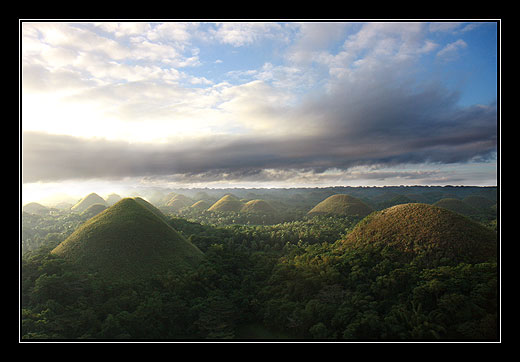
(408, 272)
(342, 205)
(127, 241)
(258, 207)
(227, 203)
(87, 201)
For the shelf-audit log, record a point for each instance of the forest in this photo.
(288, 275)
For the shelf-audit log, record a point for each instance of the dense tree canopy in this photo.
(290, 277)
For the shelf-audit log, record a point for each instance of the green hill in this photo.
(341, 204)
(479, 202)
(427, 231)
(258, 207)
(35, 208)
(201, 205)
(130, 240)
(457, 206)
(93, 210)
(87, 201)
(227, 203)
(112, 199)
(178, 202)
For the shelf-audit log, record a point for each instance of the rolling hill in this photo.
(130, 240)
(457, 206)
(87, 201)
(178, 202)
(425, 230)
(341, 204)
(479, 202)
(93, 210)
(227, 203)
(258, 207)
(112, 199)
(35, 208)
(201, 205)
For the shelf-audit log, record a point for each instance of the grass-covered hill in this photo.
(479, 202)
(201, 205)
(457, 206)
(87, 201)
(178, 202)
(130, 240)
(430, 232)
(93, 210)
(112, 199)
(341, 205)
(227, 203)
(35, 208)
(258, 207)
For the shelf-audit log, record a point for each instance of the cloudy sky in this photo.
(258, 104)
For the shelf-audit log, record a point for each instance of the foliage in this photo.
(295, 278)
(128, 240)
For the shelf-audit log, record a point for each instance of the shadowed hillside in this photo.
(457, 206)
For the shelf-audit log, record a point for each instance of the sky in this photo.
(111, 105)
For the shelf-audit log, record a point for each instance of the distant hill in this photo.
(341, 204)
(227, 203)
(479, 202)
(112, 199)
(35, 208)
(178, 202)
(396, 200)
(130, 240)
(457, 206)
(258, 207)
(426, 230)
(201, 205)
(87, 201)
(93, 210)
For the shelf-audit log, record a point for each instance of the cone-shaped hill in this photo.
(86, 202)
(341, 204)
(457, 206)
(35, 208)
(227, 203)
(427, 231)
(178, 202)
(258, 207)
(478, 202)
(130, 240)
(201, 205)
(112, 199)
(93, 210)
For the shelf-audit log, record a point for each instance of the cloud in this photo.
(365, 107)
(451, 51)
(243, 33)
(402, 131)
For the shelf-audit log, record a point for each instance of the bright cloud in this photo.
(260, 101)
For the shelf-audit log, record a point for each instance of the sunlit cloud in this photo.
(265, 103)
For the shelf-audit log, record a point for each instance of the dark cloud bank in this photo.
(372, 127)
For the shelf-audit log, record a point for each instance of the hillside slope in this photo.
(88, 201)
(341, 204)
(427, 231)
(129, 240)
(227, 203)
